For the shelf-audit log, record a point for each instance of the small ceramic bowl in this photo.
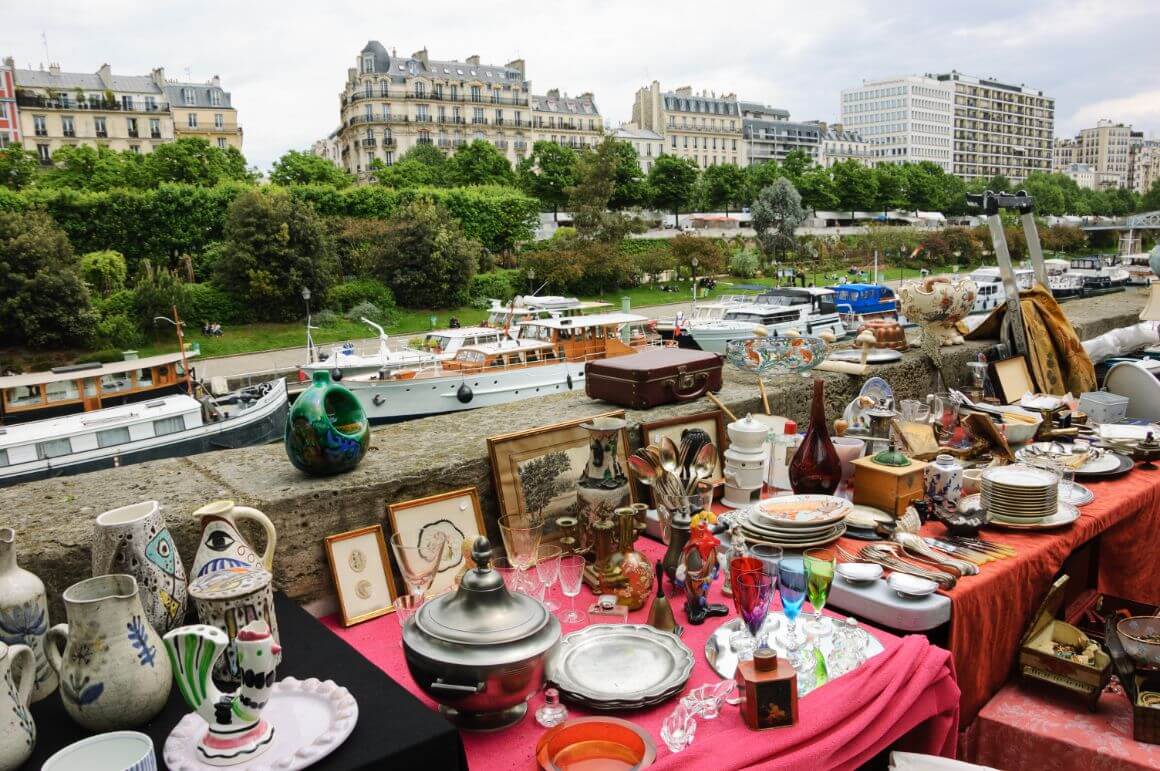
(911, 587)
(859, 572)
(115, 751)
(971, 481)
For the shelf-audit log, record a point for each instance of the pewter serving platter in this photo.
(619, 666)
(723, 659)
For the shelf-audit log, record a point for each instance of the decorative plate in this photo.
(1076, 494)
(1125, 464)
(791, 535)
(877, 389)
(619, 666)
(311, 719)
(790, 511)
(796, 545)
(867, 517)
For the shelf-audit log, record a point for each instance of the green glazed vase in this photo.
(327, 431)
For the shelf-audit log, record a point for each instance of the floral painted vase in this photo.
(944, 483)
(221, 545)
(135, 540)
(24, 612)
(327, 431)
(235, 731)
(937, 304)
(112, 666)
(17, 730)
(603, 485)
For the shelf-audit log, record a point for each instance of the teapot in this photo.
(221, 545)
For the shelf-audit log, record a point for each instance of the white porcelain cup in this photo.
(971, 479)
(115, 751)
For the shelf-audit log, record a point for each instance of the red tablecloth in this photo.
(1035, 730)
(990, 611)
(906, 694)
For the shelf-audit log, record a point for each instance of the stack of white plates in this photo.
(1019, 494)
(795, 521)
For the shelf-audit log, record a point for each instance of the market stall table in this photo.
(1031, 729)
(414, 738)
(905, 695)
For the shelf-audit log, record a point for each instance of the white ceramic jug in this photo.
(17, 731)
(24, 612)
(221, 544)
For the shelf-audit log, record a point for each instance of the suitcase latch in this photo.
(685, 380)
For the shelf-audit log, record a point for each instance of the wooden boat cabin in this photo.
(90, 386)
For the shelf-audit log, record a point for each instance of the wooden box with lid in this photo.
(888, 487)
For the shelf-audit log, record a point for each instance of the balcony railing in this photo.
(445, 143)
(501, 144)
(514, 101)
(424, 119)
(389, 142)
(47, 103)
(368, 142)
(479, 121)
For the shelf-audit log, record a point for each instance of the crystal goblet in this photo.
(419, 563)
(820, 565)
(547, 571)
(754, 592)
(791, 585)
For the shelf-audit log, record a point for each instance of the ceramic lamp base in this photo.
(225, 749)
(486, 721)
(740, 497)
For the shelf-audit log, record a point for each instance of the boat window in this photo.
(112, 383)
(169, 425)
(90, 386)
(470, 357)
(112, 436)
(178, 367)
(436, 342)
(53, 448)
(62, 391)
(3, 457)
(23, 395)
(144, 377)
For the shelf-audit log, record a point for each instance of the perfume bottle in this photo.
(768, 685)
(552, 713)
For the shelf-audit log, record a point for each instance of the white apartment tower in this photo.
(905, 120)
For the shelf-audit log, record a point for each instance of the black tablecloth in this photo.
(395, 730)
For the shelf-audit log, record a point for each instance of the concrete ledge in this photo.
(53, 518)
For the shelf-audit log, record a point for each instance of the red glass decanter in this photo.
(815, 467)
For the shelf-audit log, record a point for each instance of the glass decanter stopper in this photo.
(552, 713)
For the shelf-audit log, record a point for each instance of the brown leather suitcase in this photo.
(653, 377)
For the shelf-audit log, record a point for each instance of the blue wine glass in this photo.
(791, 585)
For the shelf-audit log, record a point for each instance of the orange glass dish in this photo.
(595, 744)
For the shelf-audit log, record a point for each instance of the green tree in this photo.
(1000, 184)
(855, 186)
(195, 161)
(104, 272)
(589, 199)
(671, 180)
(82, 167)
(480, 163)
(299, 168)
(427, 260)
(274, 246)
(796, 163)
(759, 176)
(1151, 200)
(548, 173)
(18, 167)
(889, 187)
(156, 293)
(423, 164)
(629, 188)
(776, 214)
(817, 189)
(724, 186)
(42, 300)
(710, 257)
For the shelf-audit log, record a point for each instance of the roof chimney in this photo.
(554, 93)
(54, 69)
(158, 75)
(587, 96)
(517, 64)
(105, 73)
(421, 55)
(216, 81)
(473, 59)
(685, 91)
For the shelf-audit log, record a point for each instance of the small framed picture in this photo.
(455, 514)
(362, 574)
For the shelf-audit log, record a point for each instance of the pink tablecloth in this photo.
(906, 695)
(1034, 730)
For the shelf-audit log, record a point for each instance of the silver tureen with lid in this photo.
(480, 651)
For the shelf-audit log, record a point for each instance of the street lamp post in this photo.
(694, 263)
(309, 337)
(531, 280)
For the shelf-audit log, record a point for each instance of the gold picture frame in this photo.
(509, 453)
(357, 559)
(457, 514)
(651, 432)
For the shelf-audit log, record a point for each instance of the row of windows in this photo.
(219, 121)
(68, 126)
(699, 145)
(710, 123)
(44, 151)
(110, 437)
(189, 96)
(419, 91)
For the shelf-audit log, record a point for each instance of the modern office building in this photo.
(704, 128)
(122, 112)
(771, 136)
(904, 120)
(392, 103)
(649, 145)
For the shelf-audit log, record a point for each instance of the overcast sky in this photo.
(285, 62)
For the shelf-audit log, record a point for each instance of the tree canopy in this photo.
(299, 168)
(480, 163)
(671, 181)
(548, 173)
(776, 214)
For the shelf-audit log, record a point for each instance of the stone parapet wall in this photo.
(53, 518)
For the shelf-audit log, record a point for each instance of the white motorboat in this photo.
(529, 307)
(348, 361)
(1064, 284)
(547, 357)
(807, 311)
(1100, 274)
(166, 427)
(991, 293)
(1139, 271)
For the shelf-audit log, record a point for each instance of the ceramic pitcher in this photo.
(135, 540)
(221, 544)
(112, 665)
(17, 731)
(24, 612)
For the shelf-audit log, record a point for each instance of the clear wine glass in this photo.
(509, 572)
(521, 538)
(547, 571)
(405, 606)
(820, 565)
(571, 579)
(418, 563)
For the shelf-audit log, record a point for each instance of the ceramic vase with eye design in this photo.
(135, 540)
(229, 600)
(221, 545)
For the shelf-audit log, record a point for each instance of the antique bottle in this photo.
(327, 431)
(235, 729)
(24, 612)
(768, 688)
(634, 568)
(815, 467)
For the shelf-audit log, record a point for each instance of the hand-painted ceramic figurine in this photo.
(236, 732)
(696, 572)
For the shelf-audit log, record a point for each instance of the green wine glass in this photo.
(820, 565)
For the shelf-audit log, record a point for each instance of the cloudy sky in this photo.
(285, 61)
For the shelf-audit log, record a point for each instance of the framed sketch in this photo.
(1012, 379)
(537, 472)
(455, 514)
(362, 574)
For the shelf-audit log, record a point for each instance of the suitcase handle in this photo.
(688, 380)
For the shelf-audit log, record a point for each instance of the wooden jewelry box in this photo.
(1038, 661)
(890, 488)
